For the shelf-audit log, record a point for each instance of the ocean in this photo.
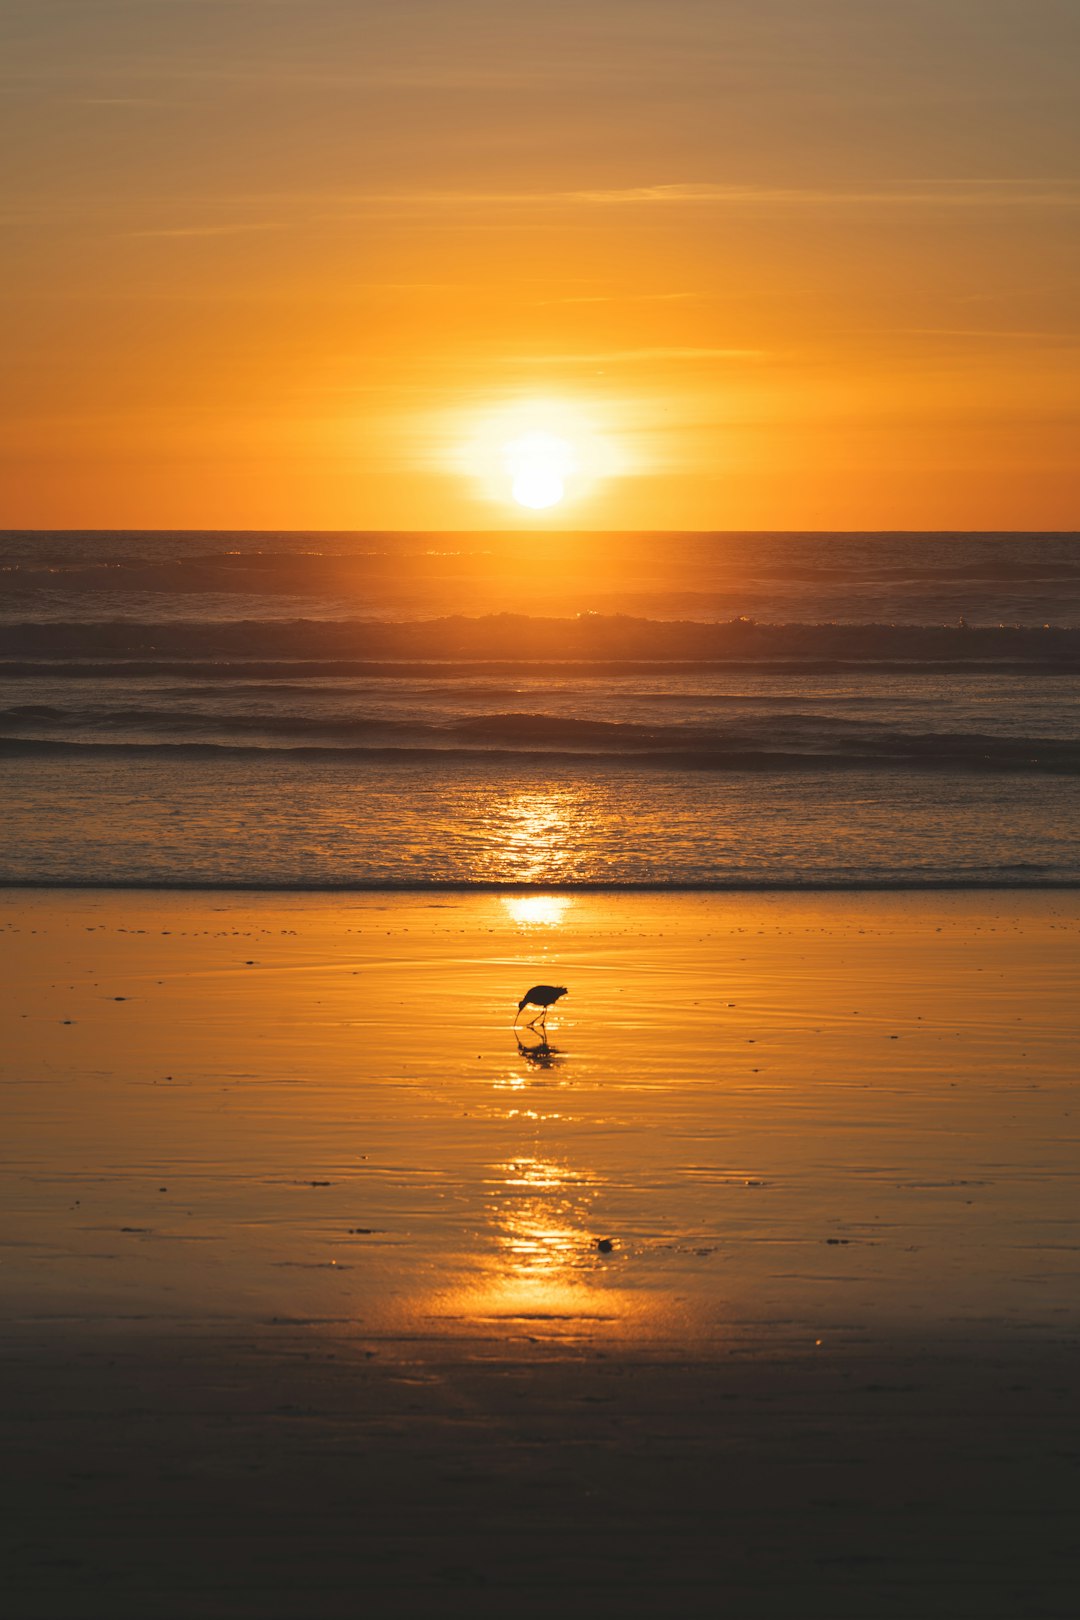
(335, 711)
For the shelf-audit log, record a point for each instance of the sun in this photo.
(538, 465)
(543, 456)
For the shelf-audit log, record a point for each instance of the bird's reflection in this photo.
(534, 1046)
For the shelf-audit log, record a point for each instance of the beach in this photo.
(305, 1302)
(539, 789)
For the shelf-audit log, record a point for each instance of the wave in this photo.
(937, 752)
(513, 641)
(507, 726)
(283, 672)
(861, 736)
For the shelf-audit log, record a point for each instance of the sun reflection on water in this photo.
(537, 836)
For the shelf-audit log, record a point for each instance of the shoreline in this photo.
(451, 886)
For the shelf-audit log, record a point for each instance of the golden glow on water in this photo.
(542, 910)
(536, 834)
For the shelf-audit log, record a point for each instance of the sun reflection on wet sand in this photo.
(542, 910)
(546, 1267)
(543, 1261)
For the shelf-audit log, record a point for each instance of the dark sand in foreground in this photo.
(304, 1313)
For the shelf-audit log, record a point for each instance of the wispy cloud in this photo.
(210, 230)
(122, 101)
(311, 210)
(952, 193)
(959, 193)
(619, 298)
(967, 334)
(611, 357)
(1018, 336)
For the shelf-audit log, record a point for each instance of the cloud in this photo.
(952, 193)
(619, 298)
(1020, 335)
(935, 194)
(209, 230)
(612, 357)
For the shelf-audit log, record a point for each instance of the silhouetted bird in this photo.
(542, 996)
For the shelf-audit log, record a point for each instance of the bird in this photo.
(542, 996)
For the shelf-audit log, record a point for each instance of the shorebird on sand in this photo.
(542, 996)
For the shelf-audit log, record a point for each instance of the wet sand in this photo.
(305, 1313)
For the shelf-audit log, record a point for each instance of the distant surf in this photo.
(515, 639)
(728, 711)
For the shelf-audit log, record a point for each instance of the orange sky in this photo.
(277, 263)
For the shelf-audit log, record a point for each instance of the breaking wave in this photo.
(936, 752)
(512, 642)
